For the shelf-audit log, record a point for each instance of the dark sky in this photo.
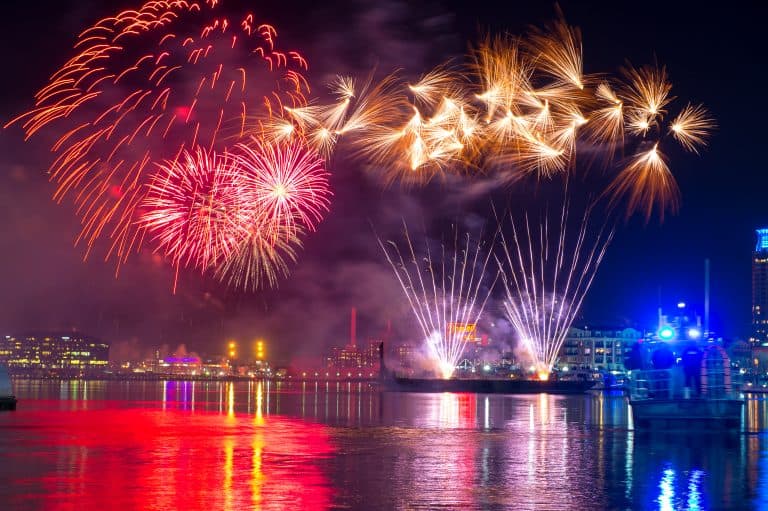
(714, 55)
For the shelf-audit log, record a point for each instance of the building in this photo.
(759, 335)
(189, 365)
(54, 353)
(403, 354)
(597, 348)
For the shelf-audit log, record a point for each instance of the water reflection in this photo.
(318, 445)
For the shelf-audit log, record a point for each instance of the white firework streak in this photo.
(545, 281)
(454, 297)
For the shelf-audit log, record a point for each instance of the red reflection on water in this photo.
(150, 459)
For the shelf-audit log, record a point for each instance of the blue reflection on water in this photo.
(694, 490)
(666, 498)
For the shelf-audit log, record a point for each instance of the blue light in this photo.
(667, 333)
(762, 240)
(694, 333)
(666, 497)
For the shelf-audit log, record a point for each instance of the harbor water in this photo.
(95, 445)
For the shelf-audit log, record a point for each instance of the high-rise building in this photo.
(760, 289)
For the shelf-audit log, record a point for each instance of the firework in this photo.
(692, 127)
(646, 182)
(548, 268)
(522, 106)
(559, 53)
(286, 182)
(194, 210)
(143, 88)
(261, 258)
(444, 290)
(239, 215)
(647, 94)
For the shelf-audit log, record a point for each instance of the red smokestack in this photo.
(353, 328)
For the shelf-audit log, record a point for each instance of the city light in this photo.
(694, 333)
(681, 305)
(666, 333)
(260, 355)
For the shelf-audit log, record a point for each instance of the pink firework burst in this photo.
(194, 209)
(287, 181)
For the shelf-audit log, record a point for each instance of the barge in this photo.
(486, 385)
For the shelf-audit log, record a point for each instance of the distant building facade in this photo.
(354, 357)
(597, 348)
(759, 334)
(68, 353)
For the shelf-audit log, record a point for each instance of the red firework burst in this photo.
(143, 89)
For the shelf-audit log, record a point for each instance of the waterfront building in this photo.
(353, 357)
(55, 353)
(759, 335)
(404, 354)
(597, 348)
(181, 365)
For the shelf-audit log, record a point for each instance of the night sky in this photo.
(714, 55)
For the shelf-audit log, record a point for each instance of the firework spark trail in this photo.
(261, 258)
(141, 90)
(446, 292)
(546, 280)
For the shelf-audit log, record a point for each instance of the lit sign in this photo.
(462, 331)
(762, 240)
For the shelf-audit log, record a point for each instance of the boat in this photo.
(7, 399)
(390, 382)
(696, 396)
(486, 385)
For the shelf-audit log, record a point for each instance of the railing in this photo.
(673, 383)
(652, 384)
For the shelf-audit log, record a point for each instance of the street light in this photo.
(260, 350)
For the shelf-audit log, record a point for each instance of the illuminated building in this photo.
(65, 353)
(371, 353)
(189, 365)
(760, 289)
(215, 367)
(597, 348)
(404, 355)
